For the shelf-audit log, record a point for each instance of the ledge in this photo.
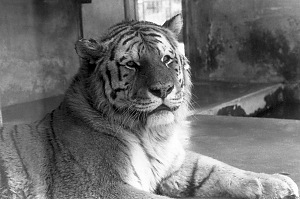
(236, 99)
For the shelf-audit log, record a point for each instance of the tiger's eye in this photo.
(167, 59)
(131, 64)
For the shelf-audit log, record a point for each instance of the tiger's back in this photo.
(35, 163)
(25, 158)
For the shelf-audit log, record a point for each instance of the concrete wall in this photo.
(243, 40)
(98, 16)
(37, 56)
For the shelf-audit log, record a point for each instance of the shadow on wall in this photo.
(266, 49)
(243, 40)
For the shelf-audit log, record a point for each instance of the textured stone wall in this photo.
(37, 56)
(98, 16)
(243, 40)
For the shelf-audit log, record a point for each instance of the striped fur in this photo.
(120, 130)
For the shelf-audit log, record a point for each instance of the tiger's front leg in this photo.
(206, 177)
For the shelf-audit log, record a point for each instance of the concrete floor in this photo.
(255, 144)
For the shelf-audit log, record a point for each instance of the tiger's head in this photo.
(135, 73)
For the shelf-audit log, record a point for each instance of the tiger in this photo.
(119, 131)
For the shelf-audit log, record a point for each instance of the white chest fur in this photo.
(152, 158)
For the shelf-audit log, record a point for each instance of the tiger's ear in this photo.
(174, 24)
(89, 50)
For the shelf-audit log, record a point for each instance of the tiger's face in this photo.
(145, 75)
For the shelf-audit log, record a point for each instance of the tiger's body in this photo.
(118, 132)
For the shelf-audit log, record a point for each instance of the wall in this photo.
(98, 16)
(243, 40)
(37, 56)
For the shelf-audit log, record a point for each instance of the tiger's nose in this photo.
(161, 91)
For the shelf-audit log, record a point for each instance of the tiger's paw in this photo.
(276, 186)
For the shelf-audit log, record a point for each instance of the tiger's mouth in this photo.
(162, 115)
(163, 107)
